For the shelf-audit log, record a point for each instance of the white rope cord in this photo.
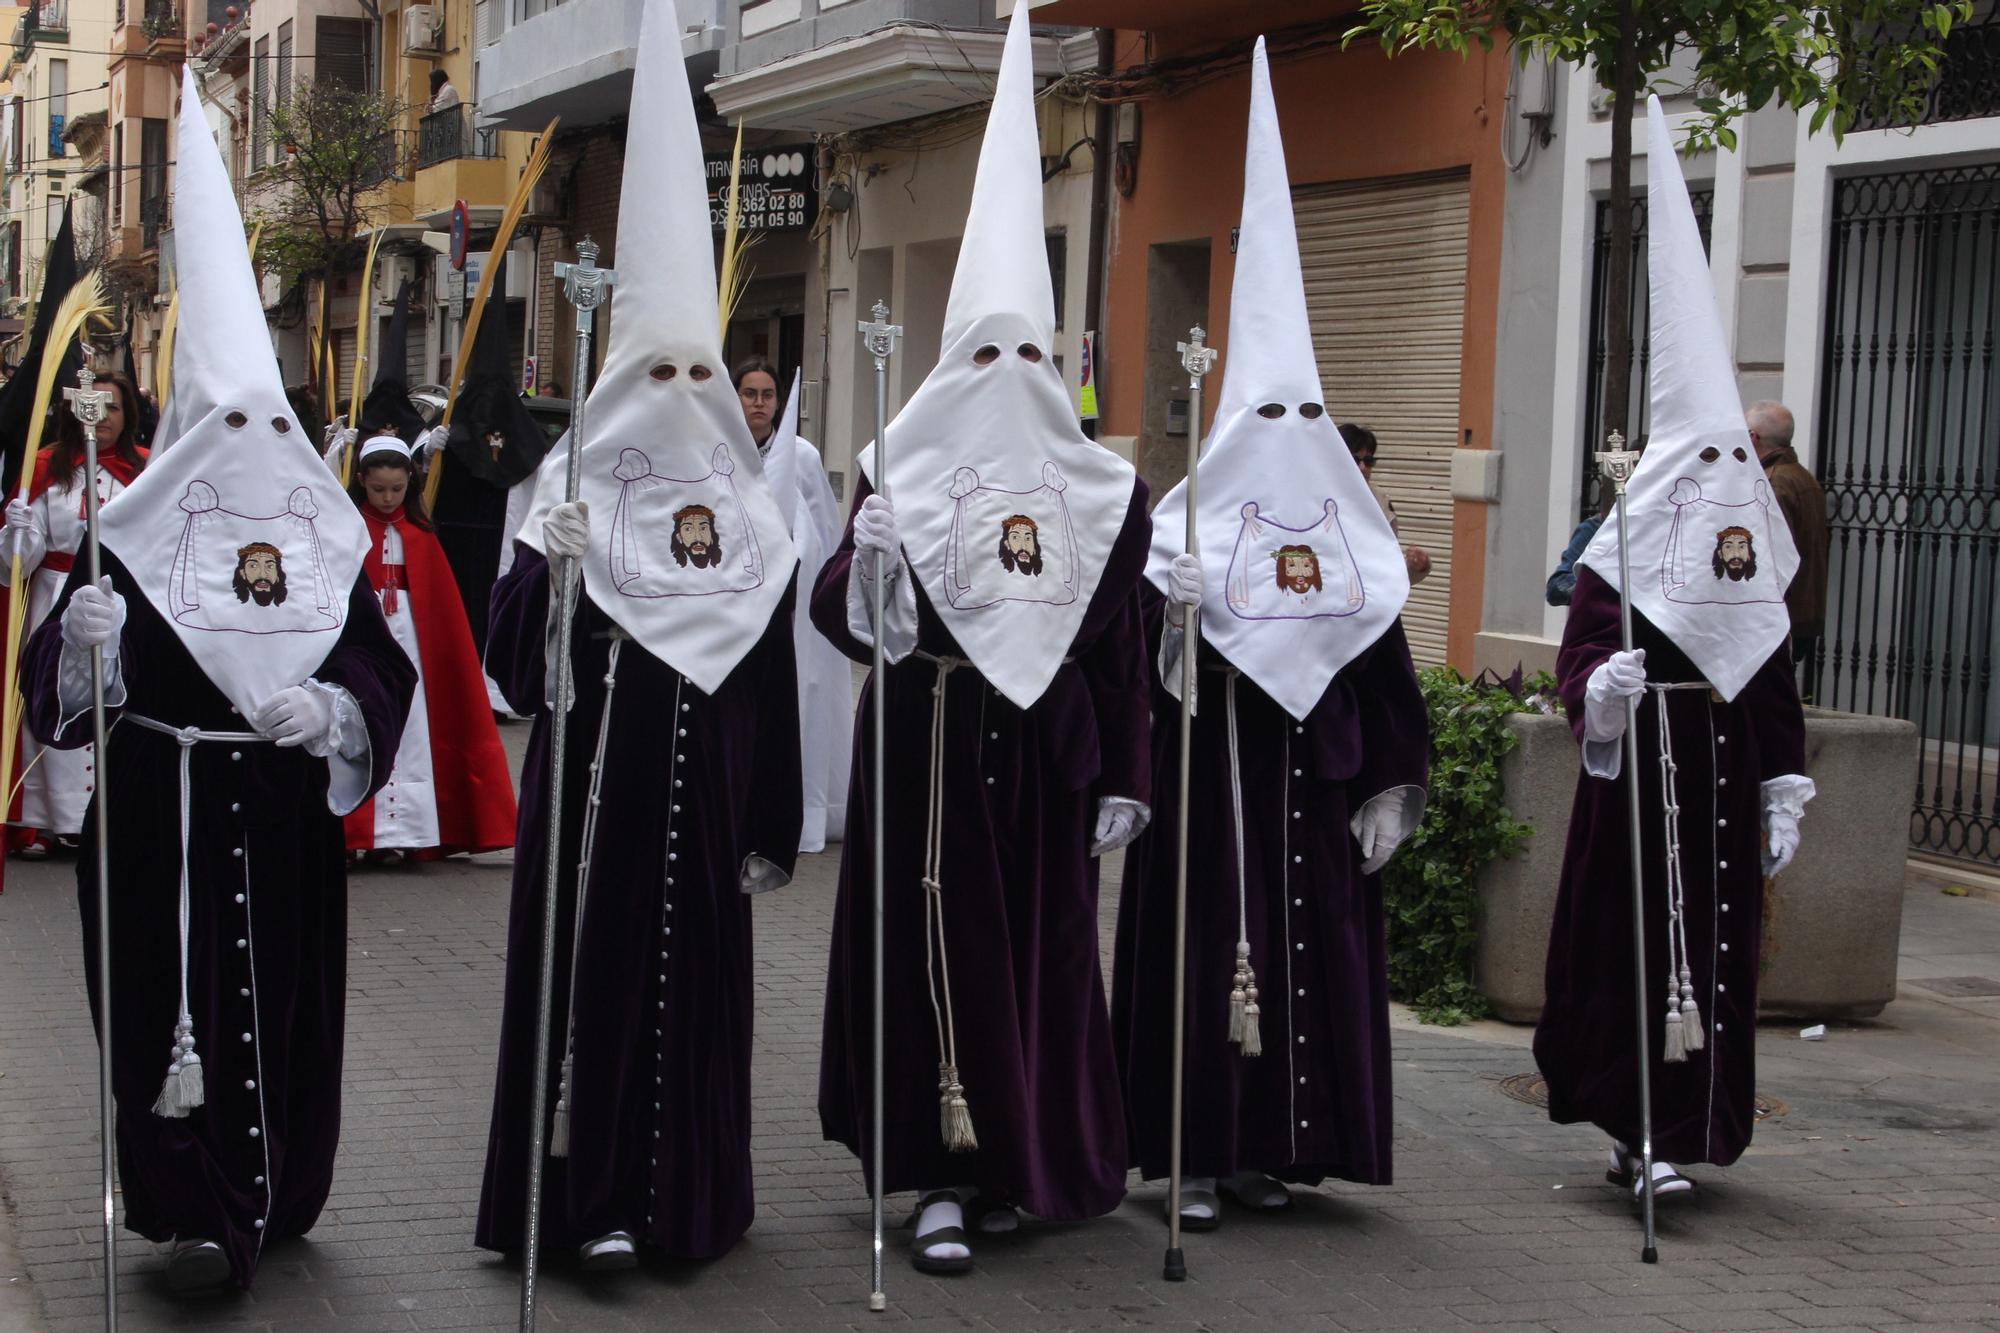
(1243, 1010)
(955, 1114)
(1683, 1023)
(183, 1089)
(559, 1126)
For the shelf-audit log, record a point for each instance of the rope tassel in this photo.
(183, 1089)
(559, 1124)
(1243, 1011)
(955, 1112)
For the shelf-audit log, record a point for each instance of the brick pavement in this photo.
(1872, 1202)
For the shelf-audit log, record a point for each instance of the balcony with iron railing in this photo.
(443, 136)
(162, 20)
(154, 216)
(1967, 85)
(43, 21)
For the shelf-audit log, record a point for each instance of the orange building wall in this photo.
(1351, 115)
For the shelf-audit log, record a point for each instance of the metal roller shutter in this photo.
(344, 348)
(1384, 268)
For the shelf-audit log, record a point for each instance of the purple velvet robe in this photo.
(693, 785)
(1020, 906)
(267, 940)
(1316, 1103)
(1586, 1042)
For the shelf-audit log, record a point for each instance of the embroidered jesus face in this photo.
(260, 574)
(694, 537)
(1021, 546)
(1298, 570)
(1735, 555)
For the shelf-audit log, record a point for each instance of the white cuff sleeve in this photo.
(1173, 641)
(899, 636)
(73, 694)
(346, 749)
(762, 876)
(34, 545)
(1788, 795)
(1604, 722)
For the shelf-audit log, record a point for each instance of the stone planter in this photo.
(1831, 922)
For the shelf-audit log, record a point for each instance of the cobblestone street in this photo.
(1871, 1199)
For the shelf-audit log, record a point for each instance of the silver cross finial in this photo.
(880, 336)
(1615, 463)
(1197, 358)
(585, 285)
(87, 402)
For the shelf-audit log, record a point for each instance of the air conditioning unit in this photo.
(421, 28)
(392, 272)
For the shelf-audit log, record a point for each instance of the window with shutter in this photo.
(342, 54)
(1384, 266)
(283, 94)
(260, 115)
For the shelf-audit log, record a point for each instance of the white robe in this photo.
(826, 681)
(56, 784)
(406, 814)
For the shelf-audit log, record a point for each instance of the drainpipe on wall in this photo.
(1100, 214)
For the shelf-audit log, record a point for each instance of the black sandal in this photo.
(920, 1257)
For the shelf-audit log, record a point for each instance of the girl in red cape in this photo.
(54, 786)
(450, 791)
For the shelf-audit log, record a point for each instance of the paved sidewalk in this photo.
(1871, 1201)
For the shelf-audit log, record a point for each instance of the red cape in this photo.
(38, 483)
(475, 794)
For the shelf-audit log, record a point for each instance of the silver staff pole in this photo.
(1197, 359)
(586, 286)
(880, 337)
(88, 402)
(1615, 463)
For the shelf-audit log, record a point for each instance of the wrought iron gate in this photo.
(1909, 453)
(1639, 307)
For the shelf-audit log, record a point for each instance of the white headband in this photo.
(384, 444)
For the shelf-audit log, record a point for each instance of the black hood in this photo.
(489, 403)
(387, 410)
(17, 398)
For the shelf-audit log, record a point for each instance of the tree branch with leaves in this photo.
(1840, 62)
(336, 145)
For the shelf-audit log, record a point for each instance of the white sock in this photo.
(1200, 1210)
(937, 1217)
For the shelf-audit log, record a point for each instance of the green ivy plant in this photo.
(1431, 886)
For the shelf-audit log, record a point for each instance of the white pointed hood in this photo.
(1007, 511)
(1711, 554)
(781, 459)
(688, 553)
(238, 535)
(1301, 569)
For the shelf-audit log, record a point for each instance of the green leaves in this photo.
(1431, 886)
(1843, 61)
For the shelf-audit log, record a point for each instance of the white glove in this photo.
(1183, 586)
(94, 617)
(1380, 829)
(1619, 677)
(566, 531)
(1784, 805)
(20, 537)
(1119, 820)
(875, 527)
(295, 716)
(433, 439)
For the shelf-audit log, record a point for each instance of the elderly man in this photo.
(1803, 502)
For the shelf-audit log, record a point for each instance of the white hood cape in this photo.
(689, 552)
(1711, 554)
(1301, 571)
(238, 535)
(1006, 510)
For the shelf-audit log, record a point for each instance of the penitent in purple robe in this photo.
(1020, 791)
(693, 785)
(1316, 1103)
(267, 931)
(1586, 1042)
